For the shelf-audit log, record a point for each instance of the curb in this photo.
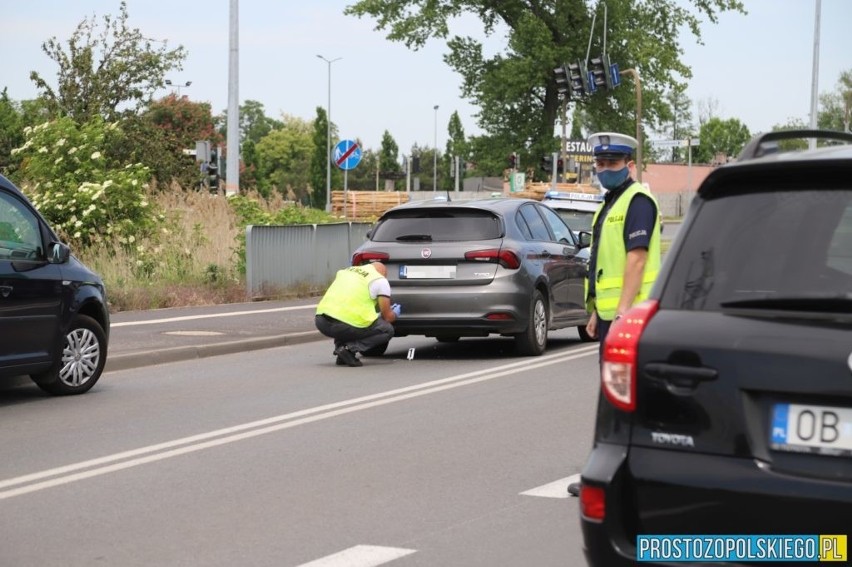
(177, 354)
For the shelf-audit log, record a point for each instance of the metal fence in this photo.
(280, 257)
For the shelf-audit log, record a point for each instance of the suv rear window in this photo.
(764, 246)
(438, 225)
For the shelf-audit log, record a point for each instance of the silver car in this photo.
(504, 266)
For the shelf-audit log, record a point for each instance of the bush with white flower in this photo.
(86, 199)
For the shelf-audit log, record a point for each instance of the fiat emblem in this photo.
(426, 253)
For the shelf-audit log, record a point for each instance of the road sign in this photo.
(347, 154)
(673, 143)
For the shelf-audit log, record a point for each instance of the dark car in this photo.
(726, 398)
(502, 266)
(54, 321)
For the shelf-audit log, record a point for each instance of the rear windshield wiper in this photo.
(415, 237)
(830, 303)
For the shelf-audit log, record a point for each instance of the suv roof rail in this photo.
(766, 143)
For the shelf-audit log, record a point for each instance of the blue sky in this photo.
(756, 67)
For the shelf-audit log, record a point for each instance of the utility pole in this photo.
(815, 77)
(635, 75)
(328, 137)
(232, 179)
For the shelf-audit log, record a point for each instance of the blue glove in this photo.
(396, 308)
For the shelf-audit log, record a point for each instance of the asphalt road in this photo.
(460, 456)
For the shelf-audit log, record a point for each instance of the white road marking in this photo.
(161, 451)
(555, 489)
(361, 556)
(210, 316)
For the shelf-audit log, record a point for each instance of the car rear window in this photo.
(764, 246)
(438, 225)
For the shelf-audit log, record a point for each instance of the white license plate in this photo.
(802, 428)
(427, 272)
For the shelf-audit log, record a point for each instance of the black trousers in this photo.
(356, 339)
(603, 331)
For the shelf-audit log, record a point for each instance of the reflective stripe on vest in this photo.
(612, 256)
(348, 298)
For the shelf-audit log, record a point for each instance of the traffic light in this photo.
(563, 85)
(547, 165)
(599, 70)
(513, 160)
(415, 164)
(578, 77)
(213, 172)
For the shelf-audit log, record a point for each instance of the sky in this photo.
(756, 67)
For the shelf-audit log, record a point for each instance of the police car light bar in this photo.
(561, 195)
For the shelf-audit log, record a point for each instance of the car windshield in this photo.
(577, 220)
(438, 225)
(766, 249)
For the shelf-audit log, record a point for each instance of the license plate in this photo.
(427, 272)
(802, 428)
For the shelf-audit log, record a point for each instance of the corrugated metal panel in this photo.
(278, 257)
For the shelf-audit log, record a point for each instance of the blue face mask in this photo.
(610, 179)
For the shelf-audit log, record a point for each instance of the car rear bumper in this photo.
(499, 308)
(654, 491)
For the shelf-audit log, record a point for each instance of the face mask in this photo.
(610, 179)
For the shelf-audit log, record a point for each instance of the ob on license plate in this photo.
(803, 428)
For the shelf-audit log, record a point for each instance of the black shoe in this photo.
(348, 357)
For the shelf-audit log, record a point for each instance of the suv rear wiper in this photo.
(415, 237)
(832, 303)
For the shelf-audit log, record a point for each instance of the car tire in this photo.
(533, 340)
(81, 360)
(376, 350)
(584, 335)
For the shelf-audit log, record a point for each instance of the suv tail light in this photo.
(505, 258)
(361, 258)
(592, 502)
(618, 371)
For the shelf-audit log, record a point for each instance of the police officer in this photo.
(625, 253)
(348, 312)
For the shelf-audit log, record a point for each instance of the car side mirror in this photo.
(585, 239)
(59, 253)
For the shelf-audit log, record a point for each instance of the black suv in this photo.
(54, 322)
(726, 398)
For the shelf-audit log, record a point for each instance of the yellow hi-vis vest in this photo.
(612, 256)
(348, 297)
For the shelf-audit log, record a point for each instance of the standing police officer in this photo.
(356, 311)
(625, 253)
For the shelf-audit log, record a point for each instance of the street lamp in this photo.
(328, 137)
(435, 156)
(178, 86)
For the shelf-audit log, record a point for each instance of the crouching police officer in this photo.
(348, 312)
(625, 254)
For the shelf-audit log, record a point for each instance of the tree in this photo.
(721, 136)
(320, 160)
(456, 146)
(794, 144)
(389, 156)
(283, 160)
(836, 112)
(681, 117)
(11, 132)
(516, 90)
(104, 70)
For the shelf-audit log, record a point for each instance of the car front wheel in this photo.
(80, 362)
(533, 340)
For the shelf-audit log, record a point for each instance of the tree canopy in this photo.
(105, 69)
(516, 89)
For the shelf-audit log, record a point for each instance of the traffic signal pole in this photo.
(636, 82)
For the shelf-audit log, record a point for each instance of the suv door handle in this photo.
(5, 290)
(679, 379)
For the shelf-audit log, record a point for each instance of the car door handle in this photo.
(679, 379)
(544, 254)
(5, 290)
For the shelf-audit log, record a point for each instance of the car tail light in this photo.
(592, 502)
(618, 370)
(505, 258)
(361, 258)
